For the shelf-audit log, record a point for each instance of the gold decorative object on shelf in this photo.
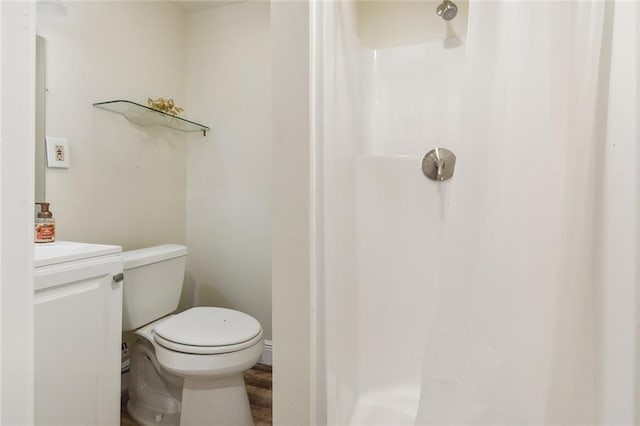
(164, 105)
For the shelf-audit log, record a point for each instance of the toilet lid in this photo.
(209, 327)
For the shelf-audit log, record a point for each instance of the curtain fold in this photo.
(514, 340)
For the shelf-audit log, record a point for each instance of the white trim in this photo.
(17, 151)
(316, 106)
(267, 353)
(290, 254)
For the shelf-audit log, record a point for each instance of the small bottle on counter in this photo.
(45, 225)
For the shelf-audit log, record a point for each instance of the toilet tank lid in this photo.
(146, 256)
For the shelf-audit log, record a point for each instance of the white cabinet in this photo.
(78, 325)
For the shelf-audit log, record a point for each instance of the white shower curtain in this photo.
(515, 334)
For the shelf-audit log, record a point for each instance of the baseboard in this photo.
(267, 353)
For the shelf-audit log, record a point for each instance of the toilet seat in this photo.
(208, 330)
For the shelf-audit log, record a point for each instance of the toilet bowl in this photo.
(186, 368)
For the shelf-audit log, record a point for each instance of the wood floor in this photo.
(259, 386)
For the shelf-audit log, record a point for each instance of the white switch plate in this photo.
(57, 152)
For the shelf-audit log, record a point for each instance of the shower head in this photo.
(448, 10)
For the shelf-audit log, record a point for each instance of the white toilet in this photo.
(186, 369)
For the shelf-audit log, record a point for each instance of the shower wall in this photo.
(414, 93)
(384, 108)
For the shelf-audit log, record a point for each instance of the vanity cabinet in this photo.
(77, 328)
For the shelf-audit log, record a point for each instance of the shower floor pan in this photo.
(389, 406)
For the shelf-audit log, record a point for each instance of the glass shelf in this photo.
(145, 116)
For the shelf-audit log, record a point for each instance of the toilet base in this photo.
(221, 401)
(154, 397)
(148, 416)
(199, 389)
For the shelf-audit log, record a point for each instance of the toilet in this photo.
(186, 368)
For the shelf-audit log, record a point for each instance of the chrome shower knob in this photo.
(438, 164)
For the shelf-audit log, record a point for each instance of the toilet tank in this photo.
(153, 279)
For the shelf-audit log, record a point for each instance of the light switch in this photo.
(57, 152)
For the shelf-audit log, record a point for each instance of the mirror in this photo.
(40, 135)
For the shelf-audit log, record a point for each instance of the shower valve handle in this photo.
(438, 164)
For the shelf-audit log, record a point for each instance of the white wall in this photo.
(126, 184)
(291, 250)
(17, 122)
(229, 172)
(620, 225)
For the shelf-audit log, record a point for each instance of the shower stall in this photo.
(505, 294)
